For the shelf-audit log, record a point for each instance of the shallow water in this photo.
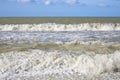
(82, 55)
(104, 36)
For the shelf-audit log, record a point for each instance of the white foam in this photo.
(37, 62)
(60, 27)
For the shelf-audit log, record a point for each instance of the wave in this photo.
(61, 27)
(74, 46)
(16, 64)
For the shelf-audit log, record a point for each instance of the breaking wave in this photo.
(61, 27)
(28, 64)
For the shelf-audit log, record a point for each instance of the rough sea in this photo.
(59, 55)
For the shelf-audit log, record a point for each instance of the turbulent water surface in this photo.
(61, 27)
(73, 55)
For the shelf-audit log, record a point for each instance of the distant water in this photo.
(73, 55)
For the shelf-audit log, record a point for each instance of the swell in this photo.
(61, 27)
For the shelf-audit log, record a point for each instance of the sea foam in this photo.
(61, 27)
(40, 63)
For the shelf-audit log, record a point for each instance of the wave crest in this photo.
(61, 27)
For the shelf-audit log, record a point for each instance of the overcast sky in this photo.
(59, 7)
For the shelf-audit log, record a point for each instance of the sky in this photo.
(24, 8)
